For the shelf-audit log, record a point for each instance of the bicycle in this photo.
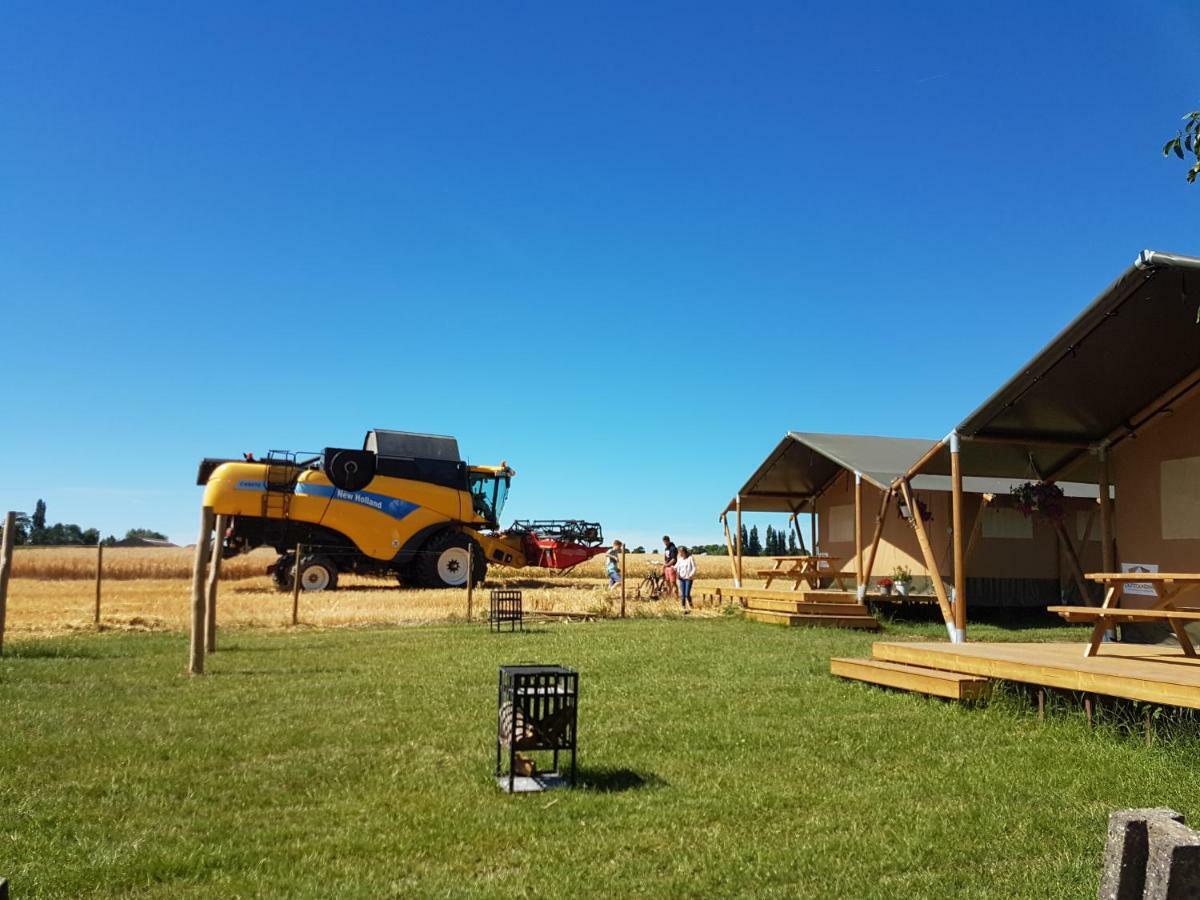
(654, 585)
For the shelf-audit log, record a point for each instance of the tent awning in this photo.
(1123, 361)
(803, 465)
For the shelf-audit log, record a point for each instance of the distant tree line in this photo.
(32, 531)
(778, 542)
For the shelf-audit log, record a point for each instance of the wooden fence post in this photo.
(99, 577)
(200, 568)
(214, 574)
(296, 587)
(622, 581)
(6, 552)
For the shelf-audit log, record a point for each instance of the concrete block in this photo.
(1127, 852)
(1173, 871)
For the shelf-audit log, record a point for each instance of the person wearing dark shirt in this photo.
(670, 557)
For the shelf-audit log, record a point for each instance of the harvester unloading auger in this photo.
(405, 504)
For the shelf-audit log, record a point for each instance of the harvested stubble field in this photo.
(53, 590)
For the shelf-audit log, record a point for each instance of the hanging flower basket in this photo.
(1042, 498)
(926, 515)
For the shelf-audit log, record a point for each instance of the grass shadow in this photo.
(612, 781)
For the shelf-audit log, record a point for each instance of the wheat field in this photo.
(53, 590)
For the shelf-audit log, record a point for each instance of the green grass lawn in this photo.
(720, 758)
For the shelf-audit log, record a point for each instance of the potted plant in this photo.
(902, 578)
(885, 586)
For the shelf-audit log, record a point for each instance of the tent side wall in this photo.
(1158, 492)
(835, 530)
(1015, 561)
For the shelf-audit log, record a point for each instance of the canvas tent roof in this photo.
(1123, 361)
(804, 464)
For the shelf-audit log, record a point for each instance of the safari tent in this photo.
(1113, 399)
(842, 482)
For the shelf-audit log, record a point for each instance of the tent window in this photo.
(1007, 523)
(1179, 484)
(841, 524)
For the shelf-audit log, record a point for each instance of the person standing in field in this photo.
(612, 564)
(670, 557)
(685, 568)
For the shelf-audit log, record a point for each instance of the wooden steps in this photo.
(918, 679)
(865, 622)
(828, 609)
(803, 606)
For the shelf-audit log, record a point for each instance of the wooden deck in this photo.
(1152, 673)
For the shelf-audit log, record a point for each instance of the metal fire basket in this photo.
(535, 711)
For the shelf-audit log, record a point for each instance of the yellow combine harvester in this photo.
(405, 504)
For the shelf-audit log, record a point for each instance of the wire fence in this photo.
(51, 589)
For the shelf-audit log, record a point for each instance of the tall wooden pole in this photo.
(960, 559)
(99, 577)
(199, 600)
(1107, 555)
(729, 545)
(296, 587)
(939, 589)
(737, 575)
(875, 538)
(470, 579)
(858, 537)
(214, 575)
(6, 555)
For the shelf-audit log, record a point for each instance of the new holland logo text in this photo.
(353, 497)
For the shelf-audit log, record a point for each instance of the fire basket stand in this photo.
(535, 711)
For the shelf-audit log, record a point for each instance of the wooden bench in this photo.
(506, 606)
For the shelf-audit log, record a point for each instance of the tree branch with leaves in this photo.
(1187, 143)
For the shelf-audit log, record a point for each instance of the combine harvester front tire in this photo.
(442, 562)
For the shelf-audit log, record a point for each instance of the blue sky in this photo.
(623, 246)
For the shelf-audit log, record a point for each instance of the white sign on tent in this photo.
(1140, 588)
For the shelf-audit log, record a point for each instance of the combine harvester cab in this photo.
(404, 505)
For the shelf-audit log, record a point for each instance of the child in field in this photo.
(685, 570)
(612, 564)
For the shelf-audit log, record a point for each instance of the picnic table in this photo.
(803, 569)
(1167, 586)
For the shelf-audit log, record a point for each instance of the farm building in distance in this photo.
(1014, 560)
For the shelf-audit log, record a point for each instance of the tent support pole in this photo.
(879, 520)
(812, 524)
(939, 589)
(737, 574)
(960, 560)
(1106, 514)
(858, 538)
(978, 526)
(729, 545)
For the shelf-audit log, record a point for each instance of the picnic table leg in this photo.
(1184, 641)
(1097, 636)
